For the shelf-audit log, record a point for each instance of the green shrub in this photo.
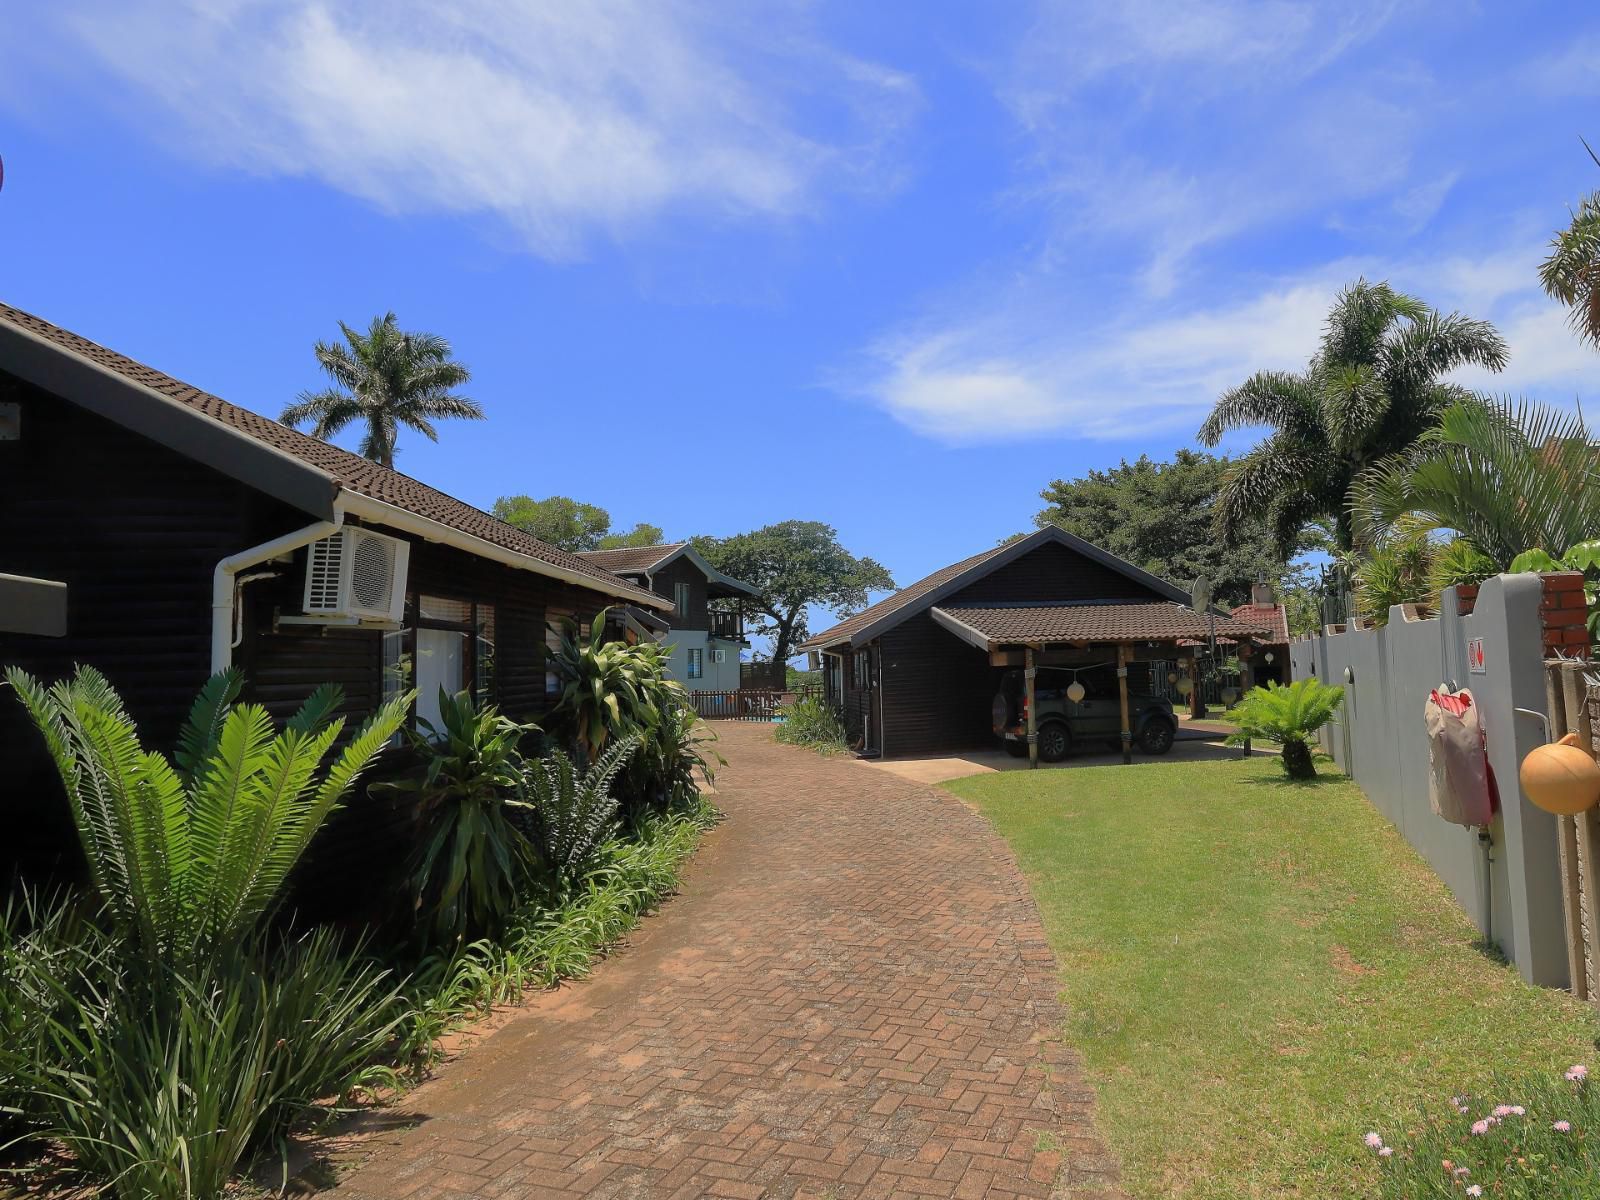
(811, 721)
(610, 689)
(683, 744)
(1529, 1139)
(1289, 716)
(188, 857)
(472, 861)
(570, 815)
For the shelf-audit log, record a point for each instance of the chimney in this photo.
(1261, 593)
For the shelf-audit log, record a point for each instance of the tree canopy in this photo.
(571, 524)
(795, 564)
(1160, 516)
(383, 379)
(1374, 386)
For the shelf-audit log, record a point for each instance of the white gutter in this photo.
(356, 505)
(224, 592)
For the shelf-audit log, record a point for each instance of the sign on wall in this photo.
(1475, 656)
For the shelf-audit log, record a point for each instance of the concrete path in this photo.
(852, 997)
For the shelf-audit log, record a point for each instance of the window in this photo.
(680, 598)
(552, 647)
(861, 669)
(696, 663)
(447, 643)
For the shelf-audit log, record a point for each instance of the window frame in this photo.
(694, 665)
(682, 597)
(479, 676)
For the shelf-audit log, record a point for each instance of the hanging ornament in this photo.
(1267, 658)
(1172, 677)
(1185, 686)
(1229, 695)
(1075, 691)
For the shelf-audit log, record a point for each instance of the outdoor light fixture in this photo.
(1172, 677)
(1075, 691)
(1267, 658)
(1185, 686)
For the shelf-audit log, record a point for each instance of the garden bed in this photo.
(1260, 972)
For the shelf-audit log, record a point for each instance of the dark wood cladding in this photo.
(936, 690)
(682, 570)
(1049, 573)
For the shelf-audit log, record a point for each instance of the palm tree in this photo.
(1572, 272)
(384, 378)
(1506, 479)
(1373, 387)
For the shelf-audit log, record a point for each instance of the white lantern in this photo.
(1172, 677)
(1075, 691)
(1185, 686)
(1267, 657)
(1229, 695)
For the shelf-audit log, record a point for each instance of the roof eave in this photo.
(171, 423)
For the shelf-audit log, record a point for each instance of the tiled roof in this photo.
(345, 470)
(1270, 616)
(631, 558)
(844, 630)
(1039, 623)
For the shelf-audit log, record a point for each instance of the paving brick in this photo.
(852, 997)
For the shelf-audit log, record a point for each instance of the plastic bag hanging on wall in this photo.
(1461, 786)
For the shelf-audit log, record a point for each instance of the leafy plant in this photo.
(1584, 557)
(570, 815)
(610, 689)
(1288, 716)
(187, 858)
(684, 747)
(472, 860)
(162, 1089)
(811, 721)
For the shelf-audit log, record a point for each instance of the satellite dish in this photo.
(1200, 595)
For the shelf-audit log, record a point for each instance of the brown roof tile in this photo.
(847, 628)
(1157, 622)
(1271, 616)
(631, 558)
(346, 470)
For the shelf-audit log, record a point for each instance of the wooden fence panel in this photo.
(747, 704)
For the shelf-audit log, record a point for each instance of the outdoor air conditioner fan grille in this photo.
(371, 572)
(323, 570)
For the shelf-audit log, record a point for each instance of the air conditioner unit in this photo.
(718, 656)
(357, 574)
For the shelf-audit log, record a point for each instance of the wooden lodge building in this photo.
(161, 534)
(916, 672)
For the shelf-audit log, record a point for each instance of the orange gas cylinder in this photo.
(1562, 777)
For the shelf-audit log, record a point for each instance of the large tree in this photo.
(1375, 385)
(1571, 273)
(383, 379)
(795, 564)
(571, 524)
(1159, 516)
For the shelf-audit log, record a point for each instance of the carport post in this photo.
(1124, 655)
(1028, 674)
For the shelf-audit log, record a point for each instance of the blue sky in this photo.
(893, 266)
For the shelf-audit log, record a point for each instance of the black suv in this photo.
(1094, 720)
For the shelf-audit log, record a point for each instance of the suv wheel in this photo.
(1054, 742)
(1156, 737)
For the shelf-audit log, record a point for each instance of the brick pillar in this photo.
(1565, 615)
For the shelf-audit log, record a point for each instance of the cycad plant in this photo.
(472, 860)
(188, 855)
(1288, 716)
(1375, 385)
(571, 813)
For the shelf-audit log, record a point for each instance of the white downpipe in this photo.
(224, 596)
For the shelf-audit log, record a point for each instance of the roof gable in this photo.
(960, 577)
(631, 560)
(264, 454)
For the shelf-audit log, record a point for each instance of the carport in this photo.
(1035, 635)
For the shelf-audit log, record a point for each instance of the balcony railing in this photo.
(728, 625)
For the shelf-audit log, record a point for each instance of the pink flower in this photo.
(1503, 1110)
(1562, 1126)
(1518, 1111)
(1479, 1128)
(1385, 1151)
(1373, 1141)
(1460, 1171)
(1577, 1073)
(1474, 1190)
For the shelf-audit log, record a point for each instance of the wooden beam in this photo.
(1124, 654)
(1575, 694)
(1567, 845)
(1033, 710)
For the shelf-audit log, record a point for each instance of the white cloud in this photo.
(563, 120)
(1004, 375)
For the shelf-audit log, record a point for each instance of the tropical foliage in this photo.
(1571, 273)
(811, 721)
(1375, 385)
(471, 860)
(383, 379)
(188, 856)
(572, 524)
(1288, 715)
(571, 813)
(610, 689)
(1161, 516)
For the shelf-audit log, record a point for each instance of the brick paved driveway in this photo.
(851, 997)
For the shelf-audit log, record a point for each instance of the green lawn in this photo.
(1258, 972)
